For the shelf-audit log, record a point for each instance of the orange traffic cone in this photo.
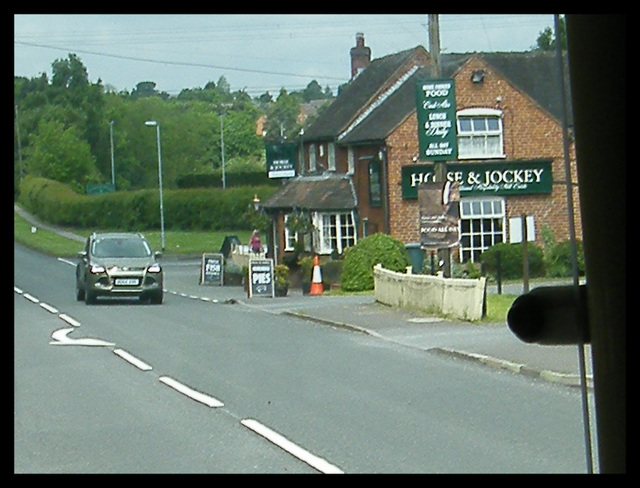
(316, 278)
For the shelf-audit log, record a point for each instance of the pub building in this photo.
(360, 165)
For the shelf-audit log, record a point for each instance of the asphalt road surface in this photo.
(195, 386)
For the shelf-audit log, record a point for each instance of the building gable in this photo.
(363, 91)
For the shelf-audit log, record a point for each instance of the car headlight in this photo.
(96, 269)
(154, 268)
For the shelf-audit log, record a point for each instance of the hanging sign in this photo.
(281, 160)
(436, 108)
(261, 278)
(212, 269)
(439, 205)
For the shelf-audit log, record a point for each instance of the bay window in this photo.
(335, 232)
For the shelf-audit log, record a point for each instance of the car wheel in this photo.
(156, 298)
(89, 297)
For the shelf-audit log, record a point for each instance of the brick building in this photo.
(360, 165)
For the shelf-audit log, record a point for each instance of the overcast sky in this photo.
(255, 52)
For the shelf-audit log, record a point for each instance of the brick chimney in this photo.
(360, 56)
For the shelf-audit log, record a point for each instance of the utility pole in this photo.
(439, 167)
(436, 72)
(19, 145)
(113, 166)
(224, 179)
(434, 44)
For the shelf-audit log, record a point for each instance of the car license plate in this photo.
(126, 281)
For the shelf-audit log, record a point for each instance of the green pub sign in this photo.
(281, 160)
(436, 107)
(475, 179)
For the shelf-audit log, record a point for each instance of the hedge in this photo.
(185, 209)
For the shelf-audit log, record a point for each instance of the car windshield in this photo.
(121, 247)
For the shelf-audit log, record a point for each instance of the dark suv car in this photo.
(118, 264)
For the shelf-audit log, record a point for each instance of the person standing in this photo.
(255, 244)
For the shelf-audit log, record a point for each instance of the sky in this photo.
(254, 52)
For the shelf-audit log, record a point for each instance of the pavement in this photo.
(491, 345)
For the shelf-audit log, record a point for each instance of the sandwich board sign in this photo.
(212, 269)
(261, 278)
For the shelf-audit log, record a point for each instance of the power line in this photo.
(180, 63)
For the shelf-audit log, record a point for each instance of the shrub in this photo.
(233, 274)
(359, 260)
(558, 260)
(281, 279)
(194, 209)
(306, 267)
(557, 256)
(331, 271)
(511, 260)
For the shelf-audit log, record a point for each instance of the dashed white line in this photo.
(48, 307)
(133, 360)
(69, 320)
(193, 394)
(31, 298)
(283, 443)
(17, 290)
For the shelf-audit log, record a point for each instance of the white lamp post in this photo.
(153, 123)
(113, 164)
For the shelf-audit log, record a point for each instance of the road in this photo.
(194, 386)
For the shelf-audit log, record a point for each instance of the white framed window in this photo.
(312, 157)
(331, 156)
(335, 232)
(482, 224)
(290, 238)
(351, 165)
(480, 133)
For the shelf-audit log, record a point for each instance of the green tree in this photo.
(61, 154)
(69, 73)
(144, 89)
(282, 118)
(546, 39)
(313, 91)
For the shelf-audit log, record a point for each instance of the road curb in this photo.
(545, 375)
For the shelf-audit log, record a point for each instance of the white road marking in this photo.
(17, 290)
(48, 307)
(69, 320)
(30, 298)
(66, 261)
(132, 359)
(193, 394)
(312, 460)
(61, 339)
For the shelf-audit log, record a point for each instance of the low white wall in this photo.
(242, 254)
(452, 297)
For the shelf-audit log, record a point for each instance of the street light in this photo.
(153, 123)
(224, 180)
(113, 166)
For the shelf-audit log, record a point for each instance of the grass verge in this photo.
(188, 243)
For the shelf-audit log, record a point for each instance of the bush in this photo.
(558, 260)
(233, 274)
(511, 260)
(331, 271)
(359, 260)
(194, 209)
(557, 256)
(281, 279)
(306, 268)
